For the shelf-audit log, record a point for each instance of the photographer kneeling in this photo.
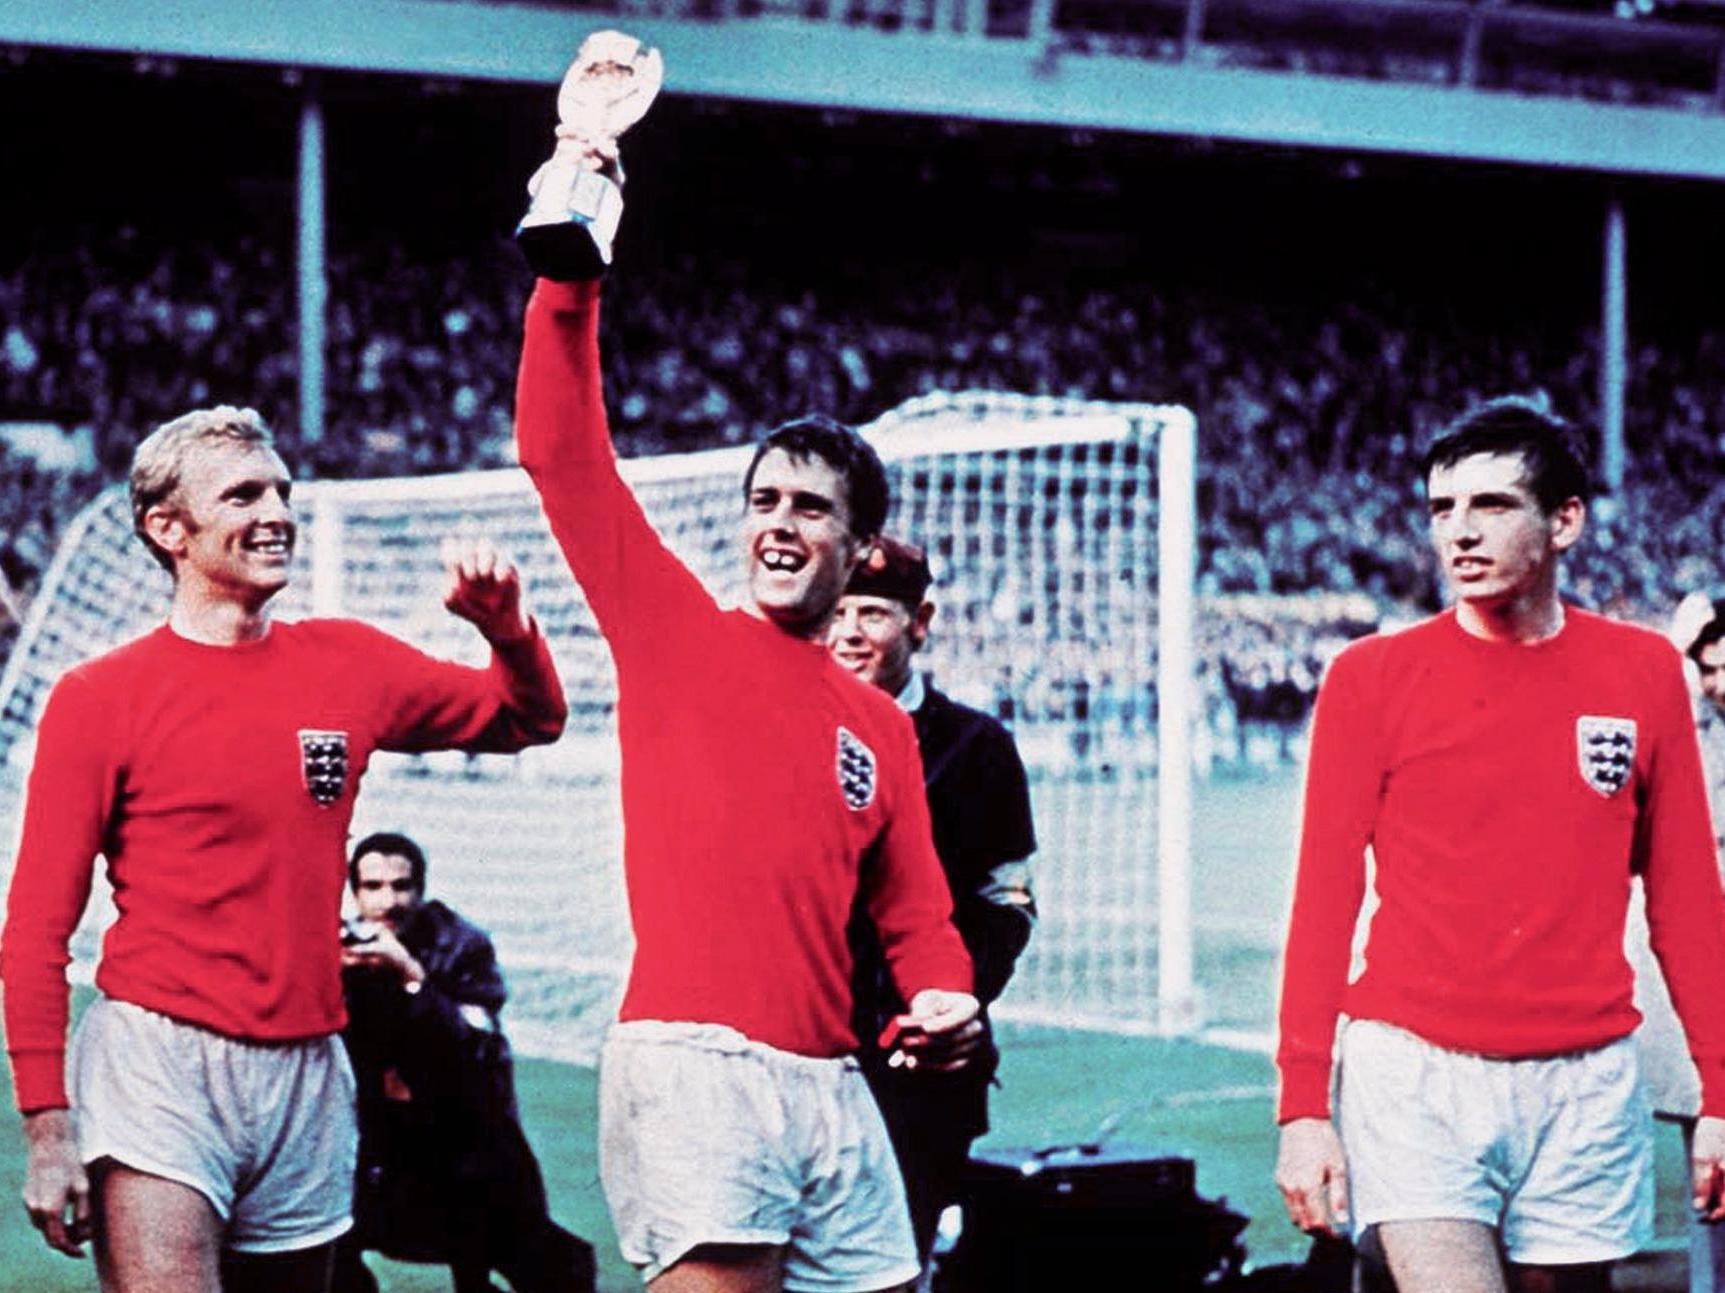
(445, 1172)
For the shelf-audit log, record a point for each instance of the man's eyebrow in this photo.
(1486, 498)
(811, 498)
(257, 484)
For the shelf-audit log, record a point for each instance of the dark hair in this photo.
(1712, 631)
(396, 846)
(1516, 424)
(846, 452)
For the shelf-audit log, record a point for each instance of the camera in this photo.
(356, 932)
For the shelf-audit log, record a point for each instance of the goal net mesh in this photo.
(1040, 520)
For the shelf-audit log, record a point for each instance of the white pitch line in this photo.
(1258, 1041)
(1214, 1095)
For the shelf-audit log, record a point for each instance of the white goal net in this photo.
(1061, 537)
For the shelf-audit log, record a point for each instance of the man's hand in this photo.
(941, 1032)
(385, 952)
(485, 590)
(588, 153)
(1313, 1176)
(1707, 1166)
(56, 1191)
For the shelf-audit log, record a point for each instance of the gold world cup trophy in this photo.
(576, 198)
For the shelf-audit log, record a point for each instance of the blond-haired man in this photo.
(201, 1128)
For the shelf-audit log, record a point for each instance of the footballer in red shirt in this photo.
(764, 789)
(202, 1125)
(1509, 765)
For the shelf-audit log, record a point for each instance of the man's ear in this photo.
(166, 529)
(919, 622)
(1567, 522)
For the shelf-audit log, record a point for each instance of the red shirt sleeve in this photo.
(432, 704)
(630, 579)
(67, 804)
(1344, 776)
(1678, 855)
(906, 891)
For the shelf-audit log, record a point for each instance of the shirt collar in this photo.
(913, 693)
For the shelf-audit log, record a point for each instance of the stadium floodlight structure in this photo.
(1061, 533)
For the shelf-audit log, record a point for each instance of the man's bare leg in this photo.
(158, 1236)
(154, 1235)
(1443, 1256)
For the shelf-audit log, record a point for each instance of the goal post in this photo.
(1062, 537)
(1176, 718)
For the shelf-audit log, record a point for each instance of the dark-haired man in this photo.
(445, 1171)
(1509, 763)
(202, 1126)
(979, 800)
(764, 787)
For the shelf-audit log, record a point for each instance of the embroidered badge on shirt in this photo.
(1605, 748)
(323, 761)
(856, 767)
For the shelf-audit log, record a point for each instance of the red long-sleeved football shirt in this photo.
(219, 783)
(1505, 791)
(763, 784)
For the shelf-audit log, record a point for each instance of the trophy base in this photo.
(565, 252)
(571, 222)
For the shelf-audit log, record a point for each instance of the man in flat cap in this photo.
(979, 802)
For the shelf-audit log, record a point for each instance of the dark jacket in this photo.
(440, 1142)
(979, 804)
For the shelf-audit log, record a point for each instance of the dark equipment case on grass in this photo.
(1072, 1216)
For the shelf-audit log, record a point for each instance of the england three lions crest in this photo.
(1605, 748)
(323, 763)
(856, 768)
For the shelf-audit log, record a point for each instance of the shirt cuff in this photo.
(39, 1080)
(1305, 1091)
(934, 981)
(1712, 1075)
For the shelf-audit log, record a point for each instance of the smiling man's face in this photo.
(230, 523)
(875, 637)
(797, 540)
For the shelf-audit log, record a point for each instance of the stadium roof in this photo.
(1482, 81)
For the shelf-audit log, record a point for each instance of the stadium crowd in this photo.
(1304, 407)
